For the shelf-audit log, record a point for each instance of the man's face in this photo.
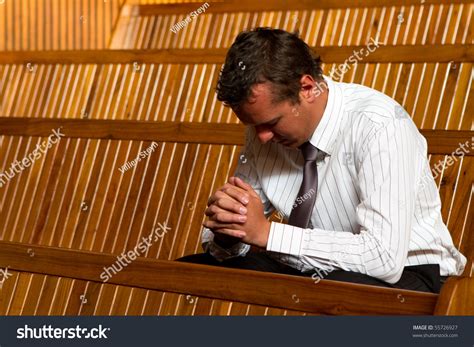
(284, 123)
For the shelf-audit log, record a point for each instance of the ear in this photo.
(310, 88)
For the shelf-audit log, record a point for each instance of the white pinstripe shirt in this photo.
(377, 207)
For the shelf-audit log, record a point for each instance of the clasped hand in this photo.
(235, 213)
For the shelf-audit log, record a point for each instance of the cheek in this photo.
(291, 128)
(282, 129)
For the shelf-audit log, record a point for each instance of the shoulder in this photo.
(370, 113)
(372, 106)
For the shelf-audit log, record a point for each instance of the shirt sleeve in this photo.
(387, 172)
(246, 170)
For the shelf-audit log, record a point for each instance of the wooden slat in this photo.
(274, 290)
(447, 141)
(275, 5)
(456, 297)
(185, 132)
(439, 141)
(383, 54)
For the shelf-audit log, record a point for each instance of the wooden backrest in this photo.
(173, 183)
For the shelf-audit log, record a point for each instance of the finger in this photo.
(231, 232)
(242, 184)
(220, 194)
(217, 214)
(213, 210)
(228, 204)
(216, 226)
(210, 200)
(232, 195)
(236, 193)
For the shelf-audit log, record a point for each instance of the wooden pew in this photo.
(195, 280)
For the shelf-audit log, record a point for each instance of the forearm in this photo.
(317, 248)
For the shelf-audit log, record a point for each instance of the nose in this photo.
(264, 135)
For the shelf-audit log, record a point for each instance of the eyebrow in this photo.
(273, 120)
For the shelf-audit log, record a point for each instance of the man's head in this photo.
(269, 80)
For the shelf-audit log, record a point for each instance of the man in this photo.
(345, 166)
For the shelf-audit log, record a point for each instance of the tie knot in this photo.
(310, 153)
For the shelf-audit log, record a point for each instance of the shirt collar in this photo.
(326, 133)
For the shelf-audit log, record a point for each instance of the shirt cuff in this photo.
(221, 254)
(284, 238)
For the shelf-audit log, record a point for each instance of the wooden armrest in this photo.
(456, 297)
(252, 287)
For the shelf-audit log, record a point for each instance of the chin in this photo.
(291, 144)
(288, 143)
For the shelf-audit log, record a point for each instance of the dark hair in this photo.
(266, 55)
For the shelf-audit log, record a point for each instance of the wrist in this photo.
(265, 234)
(225, 241)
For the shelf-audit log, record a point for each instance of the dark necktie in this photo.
(304, 202)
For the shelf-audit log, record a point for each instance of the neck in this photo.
(320, 105)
